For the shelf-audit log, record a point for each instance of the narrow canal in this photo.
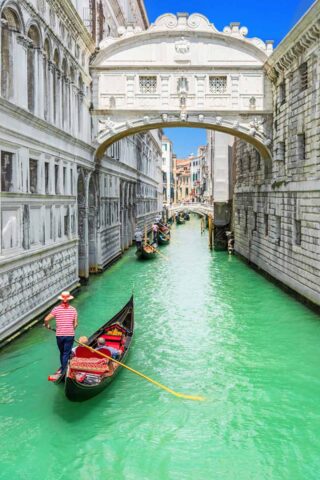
(205, 324)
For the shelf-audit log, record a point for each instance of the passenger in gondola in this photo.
(138, 238)
(101, 344)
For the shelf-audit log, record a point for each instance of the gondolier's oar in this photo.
(176, 394)
(157, 251)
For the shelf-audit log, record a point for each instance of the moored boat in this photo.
(186, 216)
(146, 251)
(88, 373)
(180, 220)
(163, 238)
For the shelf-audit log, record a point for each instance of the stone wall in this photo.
(277, 209)
(30, 285)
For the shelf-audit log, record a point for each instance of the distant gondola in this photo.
(186, 216)
(146, 251)
(180, 220)
(163, 238)
(88, 373)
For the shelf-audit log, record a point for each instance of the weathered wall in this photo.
(277, 216)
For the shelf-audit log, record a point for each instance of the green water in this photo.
(205, 324)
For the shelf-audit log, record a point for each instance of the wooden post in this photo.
(210, 227)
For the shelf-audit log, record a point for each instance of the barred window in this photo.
(148, 84)
(297, 228)
(218, 85)
(303, 76)
(301, 144)
(281, 152)
(282, 92)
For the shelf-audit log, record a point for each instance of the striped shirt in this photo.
(65, 318)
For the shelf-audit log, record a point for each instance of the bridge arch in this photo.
(182, 71)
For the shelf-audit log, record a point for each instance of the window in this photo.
(297, 229)
(249, 162)
(6, 171)
(56, 179)
(255, 222)
(66, 220)
(281, 152)
(278, 230)
(245, 221)
(266, 224)
(258, 160)
(65, 180)
(238, 216)
(301, 146)
(148, 84)
(282, 93)
(33, 175)
(46, 177)
(303, 76)
(218, 85)
(71, 182)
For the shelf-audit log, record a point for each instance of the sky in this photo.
(268, 20)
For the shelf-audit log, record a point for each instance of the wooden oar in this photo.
(158, 252)
(142, 375)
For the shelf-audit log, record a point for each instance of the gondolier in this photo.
(66, 318)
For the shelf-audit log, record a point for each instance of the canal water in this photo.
(205, 324)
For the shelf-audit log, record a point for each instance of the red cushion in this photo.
(83, 352)
(112, 338)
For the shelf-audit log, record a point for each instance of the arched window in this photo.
(32, 58)
(46, 79)
(55, 85)
(10, 25)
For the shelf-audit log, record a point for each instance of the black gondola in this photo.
(146, 251)
(88, 373)
(163, 238)
(180, 220)
(186, 216)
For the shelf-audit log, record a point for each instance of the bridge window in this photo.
(303, 76)
(148, 84)
(218, 85)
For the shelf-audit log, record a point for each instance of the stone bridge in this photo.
(182, 71)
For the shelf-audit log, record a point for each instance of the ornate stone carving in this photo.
(182, 46)
(41, 5)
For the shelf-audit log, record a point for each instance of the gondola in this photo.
(163, 238)
(186, 216)
(180, 220)
(146, 251)
(88, 373)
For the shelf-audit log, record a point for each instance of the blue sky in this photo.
(268, 20)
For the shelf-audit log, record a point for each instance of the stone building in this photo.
(183, 179)
(62, 214)
(277, 206)
(167, 170)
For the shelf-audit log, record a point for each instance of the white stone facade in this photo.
(62, 215)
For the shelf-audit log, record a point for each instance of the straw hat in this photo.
(65, 296)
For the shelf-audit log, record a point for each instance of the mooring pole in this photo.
(210, 227)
